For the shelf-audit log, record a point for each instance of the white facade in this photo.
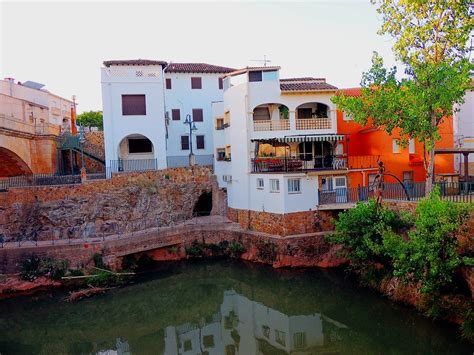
(252, 190)
(172, 94)
(464, 129)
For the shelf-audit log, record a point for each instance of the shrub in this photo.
(34, 267)
(361, 231)
(98, 261)
(429, 255)
(267, 250)
(236, 249)
(196, 250)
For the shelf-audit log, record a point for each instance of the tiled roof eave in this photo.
(289, 91)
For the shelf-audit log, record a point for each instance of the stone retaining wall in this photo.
(127, 202)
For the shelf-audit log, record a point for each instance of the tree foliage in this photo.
(91, 119)
(431, 40)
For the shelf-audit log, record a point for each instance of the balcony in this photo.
(271, 125)
(286, 164)
(313, 123)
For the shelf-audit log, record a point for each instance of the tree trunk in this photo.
(429, 173)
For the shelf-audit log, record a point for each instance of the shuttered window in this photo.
(221, 84)
(175, 114)
(168, 84)
(255, 76)
(184, 142)
(133, 105)
(196, 83)
(198, 115)
(139, 145)
(200, 142)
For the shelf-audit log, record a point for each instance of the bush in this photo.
(196, 250)
(267, 250)
(361, 231)
(98, 261)
(34, 267)
(236, 249)
(429, 255)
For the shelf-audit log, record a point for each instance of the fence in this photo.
(128, 165)
(414, 191)
(39, 180)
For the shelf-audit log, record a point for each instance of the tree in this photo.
(91, 119)
(431, 40)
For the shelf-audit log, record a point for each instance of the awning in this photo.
(308, 138)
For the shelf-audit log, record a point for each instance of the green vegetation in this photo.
(267, 250)
(35, 266)
(91, 119)
(431, 40)
(223, 249)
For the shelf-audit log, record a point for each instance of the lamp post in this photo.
(192, 128)
(82, 139)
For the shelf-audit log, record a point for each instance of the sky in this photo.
(63, 44)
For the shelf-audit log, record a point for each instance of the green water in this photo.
(224, 308)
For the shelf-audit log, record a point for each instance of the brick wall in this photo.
(127, 202)
(283, 224)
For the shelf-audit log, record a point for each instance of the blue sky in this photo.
(62, 44)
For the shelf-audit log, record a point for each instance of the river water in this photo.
(224, 308)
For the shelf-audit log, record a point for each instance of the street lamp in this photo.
(192, 127)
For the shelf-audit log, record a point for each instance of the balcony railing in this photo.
(40, 128)
(271, 125)
(128, 165)
(286, 164)
(313, 123)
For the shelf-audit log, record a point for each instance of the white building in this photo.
(280, 141)
(145, 105)
(464, 130)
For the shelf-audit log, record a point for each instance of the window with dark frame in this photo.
(196, 83)
(221, 84)
(184, 142)
(168, 84)
(200, 142)
(198, 115)
(139, 145)
(175, 114)
(133, 105)
(255, 76)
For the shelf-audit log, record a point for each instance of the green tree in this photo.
(431, 41)
(91, 119)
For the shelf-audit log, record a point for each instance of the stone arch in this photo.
(12, 165)
(142, 147)
(203, 205)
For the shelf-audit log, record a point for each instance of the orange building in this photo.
(404, 162)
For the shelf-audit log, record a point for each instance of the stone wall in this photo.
(127, 202)
(283, 224)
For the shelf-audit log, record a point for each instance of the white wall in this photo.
(182, 97)
(220, 139)
(121, 81)
(464, 125)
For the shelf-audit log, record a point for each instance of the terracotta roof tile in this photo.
(108, 63)
(306, 86)
(197, 68)
(306, 78)
(351, 91)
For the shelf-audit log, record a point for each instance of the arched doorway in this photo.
(135, 153)
(203, 206)
(313, 115)
(12, 165)
(271, 117)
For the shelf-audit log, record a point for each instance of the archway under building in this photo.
(135, 152)
(12, 165)
(203, 206)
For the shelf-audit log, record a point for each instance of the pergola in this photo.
(464, 151)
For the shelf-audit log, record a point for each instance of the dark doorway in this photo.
(203, 205)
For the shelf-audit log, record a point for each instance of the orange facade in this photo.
(405, 162)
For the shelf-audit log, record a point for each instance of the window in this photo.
(197, 115)
(208, 341)
(395, 146)
(255, 76)
(226, 119)
(346, 116)
(411, 146)
(305, 112)
(294, 186)
(200, 142)
(175, 114)
(221, 83)
(372, 182)
(139, 145)
(407, 177)
(133, 105)
(271, 75)
(228, 153)
(274, 185)
(280, 337)
(340, 182)
(219, 124)
(260, 184)
(184, 142)
(220, 153)
(196, 83)
(168, 84)
(299, 339)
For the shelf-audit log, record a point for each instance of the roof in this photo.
(247, 69)
(197, 68)
(351, 91)
(306, 78)
(306, 85)
(108, 63)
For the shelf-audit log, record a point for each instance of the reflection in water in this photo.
(224, 308)
(243, 326)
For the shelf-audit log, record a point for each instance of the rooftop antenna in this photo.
(264, 60)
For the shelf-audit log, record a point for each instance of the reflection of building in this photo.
(31, 119)
(243, 326)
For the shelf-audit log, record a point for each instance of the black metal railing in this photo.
(40, 180)
(128, 165)
(284, 164)
(409, 191)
